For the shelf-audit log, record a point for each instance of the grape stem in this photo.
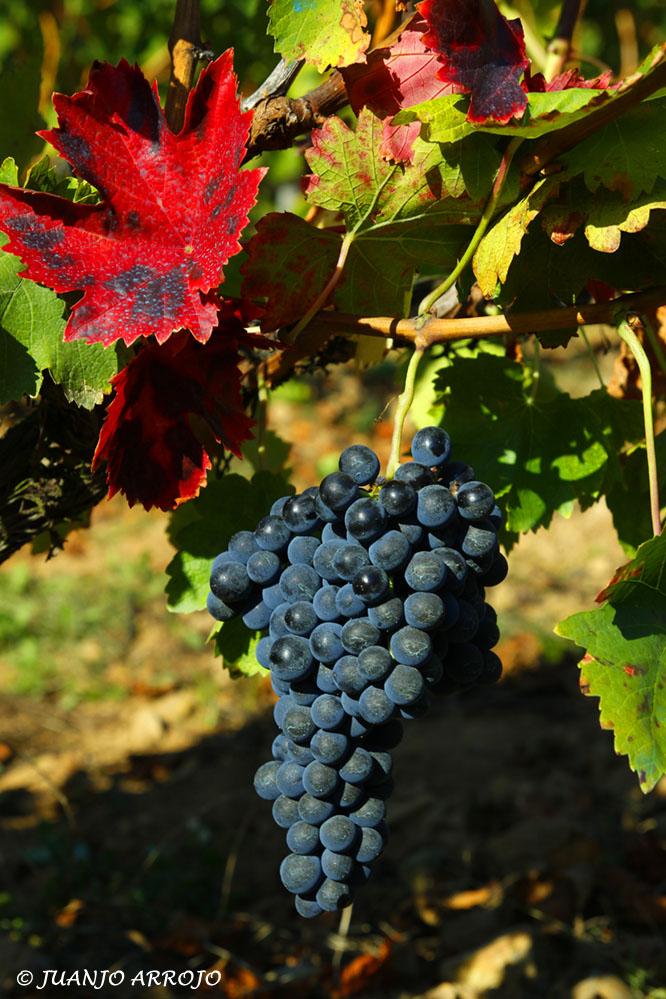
(404, 404)
(629, 326)
(480, 231)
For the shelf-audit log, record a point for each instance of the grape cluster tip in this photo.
(370, 596)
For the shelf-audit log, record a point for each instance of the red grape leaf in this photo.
(172, 210)
(482, 54)
(149, 442)
(397, 77)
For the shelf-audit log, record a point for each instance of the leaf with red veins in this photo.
(481, 53)
(166, 394)
(150, 255)
(397, 77)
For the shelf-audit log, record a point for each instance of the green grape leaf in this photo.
(627, 156)
(628, 496)
(324, 32)
(445, 118)
(200, 529)
(625, 659)
(236, 646)
(349, 175)
(502, 243)
(31, 341)
(539, 449)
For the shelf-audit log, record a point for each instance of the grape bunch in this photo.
(371, 597)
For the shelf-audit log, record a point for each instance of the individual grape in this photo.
(487, 634)
(391, 551)
(414, 473)
(289, 779)
(231, 583)
(323, 561)
(405, 685)
(455, 473)
(263, 567)
(383, 763)
(301, 549)
(370, 845)
(280, 709)
(365, 519)
(325, 514)
(338, 834)
(480, 539)
(376, 706)
(336, 866)
(348, 677)
(374, 663)
(497, 572)
(410, 646)
(431, 446)
(370, 814)
(435, 507)
(387, 616)
(466, 625)
(334, 532)
(333, 895)
(358, 635)
(413, 531)
(272, 534)
(492, 668)
(424, 610)
(350, 796)
(298, 724)
(308, 908)
(475, 500)
(358, 728)
(279, 747)
(314, 810)
(272, 596)
(326, 643)
(303, 838)
(278, 506)
(300, 874)
(280, 687)
(350, 703)
(299, 582)
(458, 570)
(242, 545)
(300, 618)
(320, 780)
(358, 767)
(265, 781)
(329, 747)
(277, 627)
(218, 609)
(349, 558)
(464, 663)
(371, 584)
(325, 680)
(425, 572)
(285, 811)
(397, 498)
(299, 514)
(327, 712)
(324, 604)
(360, 463)
(338, 491)
(290, 657)
(257, 618)
(348, 603)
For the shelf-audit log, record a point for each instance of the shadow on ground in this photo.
(523, 860)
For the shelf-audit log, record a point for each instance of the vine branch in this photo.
(518, 323)
(559, 50)
(185, 50)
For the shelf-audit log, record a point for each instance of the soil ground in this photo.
(523, 862)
